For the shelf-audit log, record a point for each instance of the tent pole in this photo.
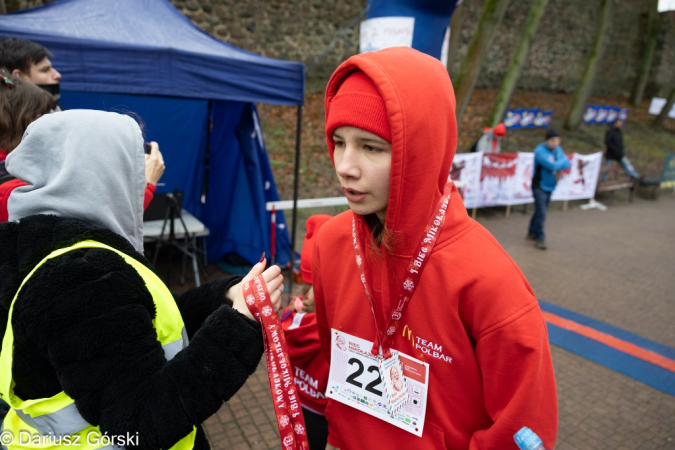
(295, 195)
(207, 151)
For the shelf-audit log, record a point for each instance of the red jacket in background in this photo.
(473, 317)
(309, 365)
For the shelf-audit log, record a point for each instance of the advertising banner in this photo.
(527, 118)
(500, 179)
(604, 115)
(668, 174)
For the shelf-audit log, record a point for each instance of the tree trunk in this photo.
(517, 62)
(585, 86)
(455, 35)
(3, 8)
(658, 122)
(647, 53)
(489, 21)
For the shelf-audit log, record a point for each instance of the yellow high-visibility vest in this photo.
(55, 422)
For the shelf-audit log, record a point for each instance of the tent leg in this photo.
(296, 178)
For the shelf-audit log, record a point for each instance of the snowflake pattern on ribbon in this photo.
(391, 330)
(283, 420)
(246, 286)
(288, 440)
(250, 299)
(299, 429)
(358, 259)
(267, 311)
(408, 284)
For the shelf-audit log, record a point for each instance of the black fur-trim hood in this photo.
(83, 324)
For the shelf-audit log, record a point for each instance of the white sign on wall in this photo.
(385, 32)
(657, 105)
(666, 5)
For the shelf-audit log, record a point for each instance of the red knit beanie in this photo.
(358, 104)
(313, 224)
(500, 130)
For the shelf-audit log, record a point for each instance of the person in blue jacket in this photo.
(548, 160)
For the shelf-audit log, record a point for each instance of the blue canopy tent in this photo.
(193, 92)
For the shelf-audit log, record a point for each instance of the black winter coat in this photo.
(614, 144)
(83, 324)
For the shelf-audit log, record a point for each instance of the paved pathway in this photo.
(616, 266)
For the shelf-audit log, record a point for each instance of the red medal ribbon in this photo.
(290, 421)
(413, 271)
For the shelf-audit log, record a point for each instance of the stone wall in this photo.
(563, 40)
(286, 29)
(302, 29)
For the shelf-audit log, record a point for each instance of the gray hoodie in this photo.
(82, 164)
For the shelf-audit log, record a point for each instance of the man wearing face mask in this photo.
(30, 61)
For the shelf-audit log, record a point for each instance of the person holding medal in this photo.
(411, 282)
(94, 343)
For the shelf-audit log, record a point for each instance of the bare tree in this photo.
(661, 118)
(493, 13)
(583, 92)
(517, 62)
(647, 53)
(455, 35)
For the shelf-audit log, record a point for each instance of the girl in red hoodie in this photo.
(406, 270)
(304, 349)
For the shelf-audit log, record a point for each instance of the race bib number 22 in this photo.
(356, 380)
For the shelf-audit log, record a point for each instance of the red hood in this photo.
(423, 131)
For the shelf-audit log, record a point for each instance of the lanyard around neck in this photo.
(412, 274)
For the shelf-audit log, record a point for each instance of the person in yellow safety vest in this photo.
(95, 348)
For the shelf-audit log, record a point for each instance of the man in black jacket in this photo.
(614, 144)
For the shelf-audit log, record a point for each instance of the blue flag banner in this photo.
(527, 118)
(604, 115)
(420, 24)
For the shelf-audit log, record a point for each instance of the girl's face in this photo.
(363, 164)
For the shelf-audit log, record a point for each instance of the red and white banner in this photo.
(496, 179)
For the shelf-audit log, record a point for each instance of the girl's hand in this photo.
(330, 447)
(154, 164)
(273, 279)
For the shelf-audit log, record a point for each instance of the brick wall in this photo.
(301, 29)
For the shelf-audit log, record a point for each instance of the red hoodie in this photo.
(473, 318)
(309, 365)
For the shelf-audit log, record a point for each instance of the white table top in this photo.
(153, 228)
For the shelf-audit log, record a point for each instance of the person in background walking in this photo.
(548, 159)
(614, 144)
